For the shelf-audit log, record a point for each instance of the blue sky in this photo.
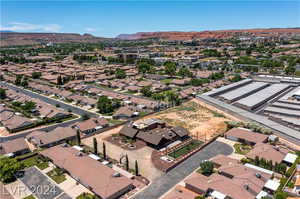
(110, 18)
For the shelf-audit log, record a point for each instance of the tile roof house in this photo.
(124, 113)
(14, 122)
(268, 152)
(239, 180)
(91, 125)
(245, 136)
(47, 139)
(95, 176)
(14, 147)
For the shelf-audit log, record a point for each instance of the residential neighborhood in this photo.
(128, 100)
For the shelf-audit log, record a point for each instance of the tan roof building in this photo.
(14, 147)
(57, 136)
(245, 135)
(91, 125)
(99, 178)
(268, 152)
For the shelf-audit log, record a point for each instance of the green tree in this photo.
(256, 161)
(24, 82)
(136, 168)
(266, 197)
(59, 80)
(95, 144)
(170, 68)
(29, 106)
(290, 70)
(236, 78)
(120, 73)
(104, 151)
(200, 197)
(2, 93)
(144, 67)
(36, 75)
(281, 168)
(85, 117)
(146, 91)
(105, 105)
(78, 138)
(126, 163)
(207, 167)
(18, 80)
(173, 98)
(185, 72)
(211, 53)
(199, 82)
(281, 195)
(8, 167)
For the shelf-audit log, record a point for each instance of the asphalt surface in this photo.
(53, 102)
(39, 184)
(48, 100)
(165, 182)
(278, 129)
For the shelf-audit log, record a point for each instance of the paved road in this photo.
(48, 100)
(64, 106)
(278, 129)
(165, 182)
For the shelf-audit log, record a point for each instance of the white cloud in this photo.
(19, 26)
(90, 29)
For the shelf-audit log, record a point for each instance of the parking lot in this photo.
(40, 185)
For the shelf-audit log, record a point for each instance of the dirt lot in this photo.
(202, 120)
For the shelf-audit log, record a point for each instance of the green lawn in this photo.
(57, 175)
(35, 161)
(242, 148)
(29, 197)
(86, 196)
(186, 149)
(115, 122)
(166, 81)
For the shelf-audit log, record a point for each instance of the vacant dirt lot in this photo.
(200, 119)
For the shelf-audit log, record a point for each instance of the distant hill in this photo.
(173, 35)
(15, 39)
(6, 31)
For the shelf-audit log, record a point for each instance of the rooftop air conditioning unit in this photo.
(79, 154)
(258, 175)
(117, 174)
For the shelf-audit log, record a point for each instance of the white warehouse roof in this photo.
(272, 185)
(290, 158)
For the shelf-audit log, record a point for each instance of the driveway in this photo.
(40, 185)
(162, 184)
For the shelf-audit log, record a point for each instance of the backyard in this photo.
(86, 196)
(33, 160)
(185, 149)
(57, 175)
(242, 148)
